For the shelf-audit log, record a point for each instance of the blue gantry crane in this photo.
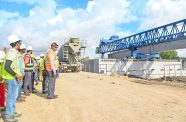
(164, 34)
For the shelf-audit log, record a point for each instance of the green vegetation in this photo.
(169, 55)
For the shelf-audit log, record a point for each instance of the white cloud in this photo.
(7, 16)
(161, 12)
(46, 23)
(90, 5)
(31, 13)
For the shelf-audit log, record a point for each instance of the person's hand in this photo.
(54, 73)
(18, 78)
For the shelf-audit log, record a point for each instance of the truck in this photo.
(70, 55)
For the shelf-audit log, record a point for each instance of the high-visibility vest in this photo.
(29, 67)
(14, 66)
(47, 60)
(42, 64)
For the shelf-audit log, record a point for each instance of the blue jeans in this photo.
(13, 88)
(19, 91)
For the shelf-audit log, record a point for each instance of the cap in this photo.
(54, 44)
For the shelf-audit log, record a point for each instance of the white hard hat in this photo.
(13, 39)
(29, 48)
(42, 55)
(37, 58)
(22, 46)
(2, 56)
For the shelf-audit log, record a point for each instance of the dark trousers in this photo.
(44, 81)
(51, 84)
(28, 82)
(33, 74)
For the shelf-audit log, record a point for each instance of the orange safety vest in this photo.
(47, 60)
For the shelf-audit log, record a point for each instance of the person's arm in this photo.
(8, 68)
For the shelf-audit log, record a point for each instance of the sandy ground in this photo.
(87, 97)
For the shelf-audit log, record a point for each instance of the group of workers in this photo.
(19, 68)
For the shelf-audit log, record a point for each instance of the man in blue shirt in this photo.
(22, 67)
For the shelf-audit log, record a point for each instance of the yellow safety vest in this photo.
(42, 64)
(14, 66)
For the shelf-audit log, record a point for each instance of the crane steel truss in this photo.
(170, 32)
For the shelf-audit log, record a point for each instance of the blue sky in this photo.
(39, 22)
(72, 3)
(22, 8)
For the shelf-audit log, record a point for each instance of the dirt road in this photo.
(85, 97)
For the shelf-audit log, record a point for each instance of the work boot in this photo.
(11, 119)
(44, 92)
(17, 114)
(2, 109)
(20, 99)
(34, 91)
(27, 94)
(51, 97)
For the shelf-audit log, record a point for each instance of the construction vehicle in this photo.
(70, 55)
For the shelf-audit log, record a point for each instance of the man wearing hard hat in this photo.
(41, 66)
(29, 66)
(12, 75)
(2, 83)
(36, 70)
(43, 74)
(22, 68)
